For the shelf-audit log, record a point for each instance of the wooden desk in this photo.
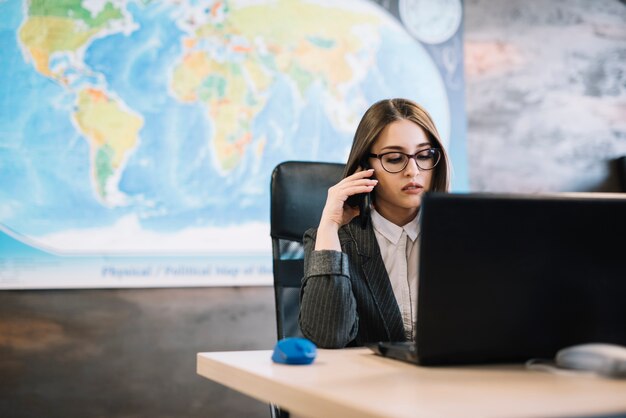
(356, 383)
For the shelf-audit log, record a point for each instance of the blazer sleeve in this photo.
(328, 314)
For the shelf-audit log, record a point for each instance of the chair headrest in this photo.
(298, 195)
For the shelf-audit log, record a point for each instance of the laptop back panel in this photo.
(508, 278)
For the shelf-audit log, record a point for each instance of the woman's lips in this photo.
(413, 188)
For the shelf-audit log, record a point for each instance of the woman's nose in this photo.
(411, 168)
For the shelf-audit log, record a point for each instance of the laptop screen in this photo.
(514, 277)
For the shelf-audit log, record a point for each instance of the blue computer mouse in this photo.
(294, 350)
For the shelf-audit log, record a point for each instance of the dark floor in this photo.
(126, 353)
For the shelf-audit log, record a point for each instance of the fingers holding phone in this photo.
(362, 201)
(338, 212)
(345, 199)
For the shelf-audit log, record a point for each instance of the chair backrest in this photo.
(297, 197)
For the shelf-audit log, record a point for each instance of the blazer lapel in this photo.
(378, 280)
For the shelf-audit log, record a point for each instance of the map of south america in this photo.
(54, 37)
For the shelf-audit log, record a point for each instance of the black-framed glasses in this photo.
(396, 161)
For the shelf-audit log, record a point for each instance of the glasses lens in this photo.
(394, 161)
(428, 158)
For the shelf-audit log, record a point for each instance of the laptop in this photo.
(508, 278)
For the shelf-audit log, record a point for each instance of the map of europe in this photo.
(136, 126)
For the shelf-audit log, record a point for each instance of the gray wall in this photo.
(546, 106)
(546, 94)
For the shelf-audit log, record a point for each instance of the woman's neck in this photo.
(398, 216)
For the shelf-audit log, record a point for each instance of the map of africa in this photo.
(154, 125)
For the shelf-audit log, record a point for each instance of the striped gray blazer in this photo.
(346, 297)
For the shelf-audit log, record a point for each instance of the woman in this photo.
(360, 279)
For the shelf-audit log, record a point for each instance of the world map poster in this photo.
(137, 137)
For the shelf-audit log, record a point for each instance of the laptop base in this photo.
(404, 350)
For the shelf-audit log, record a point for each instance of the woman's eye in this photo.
(394, 160)
(426, 155)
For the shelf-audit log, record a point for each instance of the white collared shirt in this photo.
(399, 248)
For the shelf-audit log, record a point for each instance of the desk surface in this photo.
(356, 383)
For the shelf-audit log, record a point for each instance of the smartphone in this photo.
(362, 201)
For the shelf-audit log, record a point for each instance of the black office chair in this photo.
(297, 197)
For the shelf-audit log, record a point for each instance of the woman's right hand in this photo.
(336, 212)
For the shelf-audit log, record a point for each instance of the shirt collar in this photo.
(393, 232)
